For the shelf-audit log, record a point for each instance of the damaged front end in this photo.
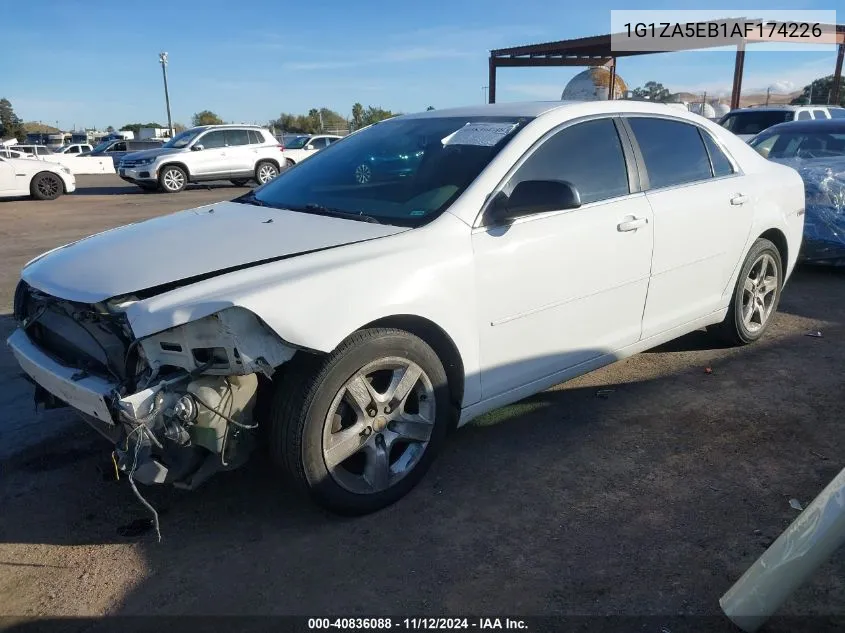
(179, 405)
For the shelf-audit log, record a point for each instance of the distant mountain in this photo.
(746, 99)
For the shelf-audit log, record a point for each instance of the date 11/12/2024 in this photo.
(414, 624)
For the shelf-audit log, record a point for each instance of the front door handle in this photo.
(631, 223)
(739, 199)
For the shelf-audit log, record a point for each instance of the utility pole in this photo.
(810, 100)
(768, 92)
(162, 58)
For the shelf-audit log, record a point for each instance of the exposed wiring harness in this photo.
(141, 429)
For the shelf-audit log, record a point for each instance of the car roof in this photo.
(538, 108)
(812, 125)
(228, 125)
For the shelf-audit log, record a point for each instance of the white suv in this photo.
(748, 122)
(239, 153)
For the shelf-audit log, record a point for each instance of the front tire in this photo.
(358, 428)
(756, 295)
(172, 179)
(46, 186)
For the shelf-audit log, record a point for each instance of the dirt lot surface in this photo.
(649, 498)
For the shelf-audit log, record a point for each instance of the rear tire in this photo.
(46, 186)
(358, 428)
(172, 179)
(755, 297)
(265, 171)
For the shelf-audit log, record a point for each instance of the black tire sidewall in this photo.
(319, 480)
(760, 246)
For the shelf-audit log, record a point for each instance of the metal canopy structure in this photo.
(597, 51)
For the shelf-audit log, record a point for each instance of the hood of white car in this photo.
(152, 153)
(188, 246)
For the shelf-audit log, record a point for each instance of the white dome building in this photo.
(721, 109)
(592, 85)
(704, 109)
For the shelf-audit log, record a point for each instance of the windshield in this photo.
(102, 146)
(402, 171)
(182, 139)
(297, 142)
(800, 144)
(754, 122)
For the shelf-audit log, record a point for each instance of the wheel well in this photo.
(440, 342)
(268, 160)
(776, 237)
(183, 166)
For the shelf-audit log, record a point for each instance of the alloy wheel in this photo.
(173, 180)
(48, 186)
(266, 173)
(379, 425)
(759, 292)
(363, 174)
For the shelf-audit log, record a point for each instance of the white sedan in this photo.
(357, 323)
(302, 147)
(40, 179)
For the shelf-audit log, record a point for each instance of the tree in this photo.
(429, 108)
(374, 114)
(10, 123)
(136, 127)
(110, 129)
(358, 115)
(653, 91)
(820, 91)
(206, 117)
(178, 128)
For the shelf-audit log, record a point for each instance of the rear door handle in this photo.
(631, 223)
(739, 199)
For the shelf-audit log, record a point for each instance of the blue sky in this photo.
(95, 62)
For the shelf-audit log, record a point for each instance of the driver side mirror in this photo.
(196, 148)
(309, 147)
(534, 196)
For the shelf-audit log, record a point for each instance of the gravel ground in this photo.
(648, 499)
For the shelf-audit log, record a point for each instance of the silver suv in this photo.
(239, 153)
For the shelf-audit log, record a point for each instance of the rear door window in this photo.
(803, 115)
(673, 151)
(237, 137)
(319, 143)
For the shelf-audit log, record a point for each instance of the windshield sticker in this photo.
(480, 134)
(418, 212)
